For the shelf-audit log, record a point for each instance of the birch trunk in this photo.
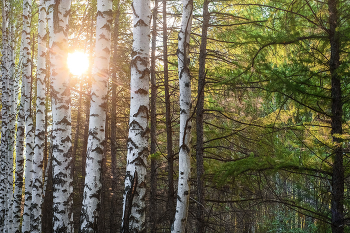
(4, 111)
(37, 176)
(61, 117)
(96, 140)
(135, 182)
(183, 193)
(11, 123)
(26, 94)
(17, 201)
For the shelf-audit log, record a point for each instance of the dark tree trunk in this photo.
(114, 207)
(153, 202)
(170, 195)
(77, 131)
(337, 209)
(47, 221)
(199, 122)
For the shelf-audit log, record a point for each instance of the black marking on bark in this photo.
(133, 53)
(107, 50)
(134, 125)
(103, 37)
(128, 203)
(141, 23)
(142, 109)
(100, 13)
(134, 11)
(185, 147)
(141, 91)
(64, 121)
(179, 198)
(145, 133)
(67, 139)
(98, 150)
(132, 143)
(107, 26)
(144, 62)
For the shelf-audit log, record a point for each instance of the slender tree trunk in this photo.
(61, 118)
(183, 193)
(153, 201)
(27, 79)
(11, 125)
(96, 141)
(40, 124)
(113, 221)
(4, 110)
(337, 206)
(169, 135)
(135, 182)
(17, 201)
(199, 121)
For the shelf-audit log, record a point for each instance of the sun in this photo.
(78, 62)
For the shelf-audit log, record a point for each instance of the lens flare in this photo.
(78, 62)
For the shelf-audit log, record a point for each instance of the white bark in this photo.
(4, 111)
(19, 166)
(183, 193)
(135, 183)
(11, 124)
(26, 79)
(37, 176)
(96, 141)
(61, 117)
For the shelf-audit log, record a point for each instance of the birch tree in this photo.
(135, 183)
(61, 117)
(183, 193)
(37, 175)
(4, 111)
(96, 140)
(26, 94)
